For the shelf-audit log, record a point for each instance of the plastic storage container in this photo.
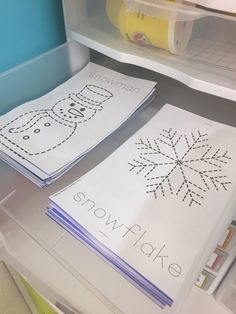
(188, 42)
(55, 263)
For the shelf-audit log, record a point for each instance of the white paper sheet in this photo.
(156, 200)
(48, 133)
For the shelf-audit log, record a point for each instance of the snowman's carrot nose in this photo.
(75, 112)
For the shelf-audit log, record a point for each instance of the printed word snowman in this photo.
(40, 131)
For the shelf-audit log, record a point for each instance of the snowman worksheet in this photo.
(40, 131)
(48, 133)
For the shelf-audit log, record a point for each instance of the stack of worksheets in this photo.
(45, 137)
(156, 207)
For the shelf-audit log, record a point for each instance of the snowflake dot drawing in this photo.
(186, 166)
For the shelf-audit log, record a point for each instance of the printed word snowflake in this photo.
(185, 166)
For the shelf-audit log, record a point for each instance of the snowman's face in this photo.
(71, 111)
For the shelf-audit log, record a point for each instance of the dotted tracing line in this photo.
(186, 139)
(22, 115)
(189, 190)
(173, 146)
(212, 179)
(170, 186)
(155, 165)
(206, 152)
(38, 153)
(166, 137)
(179, 138)
(165, 177)
(220, 160)
(173, 135)
(201, 146)
(20, 131)
(164, 142)
(224, 155)
(206, 160)
(194, 143)
(88, 104)
(139, 164)
(105, 96)
(197, 186)
(211, 163)
(158, 148)
(97, 93)
(149, 146)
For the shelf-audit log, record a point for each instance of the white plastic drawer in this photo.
(193, 44)
(41, 250)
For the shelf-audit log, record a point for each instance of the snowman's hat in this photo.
(92, 96)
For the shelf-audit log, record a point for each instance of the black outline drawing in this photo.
(163, 157)
(90, 97)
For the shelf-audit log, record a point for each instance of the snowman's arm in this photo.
(26, 121)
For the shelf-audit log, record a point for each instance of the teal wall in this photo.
(28, 28)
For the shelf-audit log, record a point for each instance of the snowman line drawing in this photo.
(40, 131)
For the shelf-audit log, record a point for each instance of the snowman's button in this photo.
(47, 124)
(36, 130)
(26, 137)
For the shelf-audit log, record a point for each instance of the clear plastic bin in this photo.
(55, 263)
(193, 44)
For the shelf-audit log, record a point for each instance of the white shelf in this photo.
(185, 73)
(208, 64)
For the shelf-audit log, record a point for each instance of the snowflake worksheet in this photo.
(55, 130)
(153, 205)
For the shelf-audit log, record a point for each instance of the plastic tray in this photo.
(56, 264)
